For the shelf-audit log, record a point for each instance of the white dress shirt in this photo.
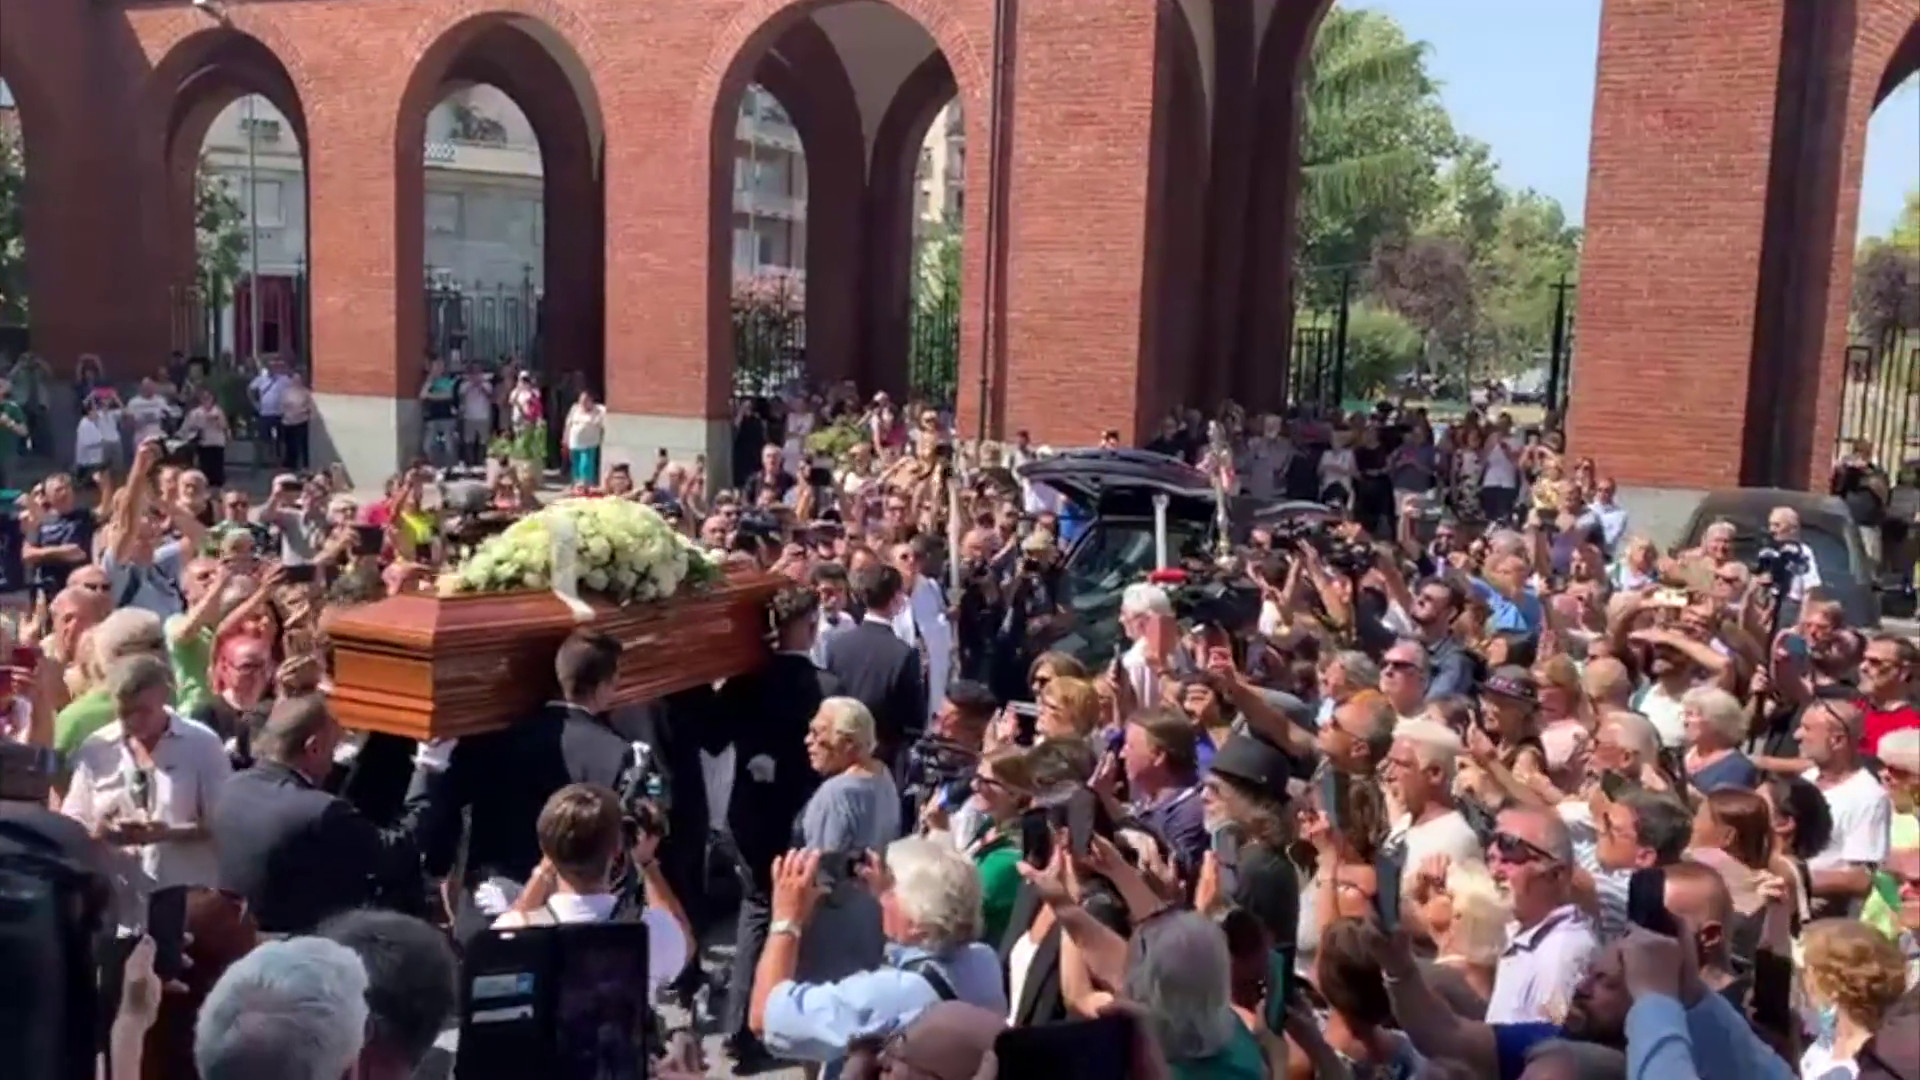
(925, 613)
(666, 943)
(189, 768)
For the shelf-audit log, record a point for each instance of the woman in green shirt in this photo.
(1002, 789)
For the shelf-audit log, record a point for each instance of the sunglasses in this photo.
(1514, 849)
(1399, 665)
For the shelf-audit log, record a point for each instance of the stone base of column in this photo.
(373, 436)
(636, 439)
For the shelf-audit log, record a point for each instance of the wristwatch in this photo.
(783, 926)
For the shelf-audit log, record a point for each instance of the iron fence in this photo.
(484, 321)
(193, 324)
(1560, 349)
(1316, 380)
(1880, 396)
(769, 348)
(933, 349)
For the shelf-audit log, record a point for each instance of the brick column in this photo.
(1721, 139)
(1081, 139)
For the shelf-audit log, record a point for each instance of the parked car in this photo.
(1114, 490)
(1825, 527)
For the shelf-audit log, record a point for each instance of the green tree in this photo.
(1532, 248)
(220, 236)
(1472, 198)
(1373, 138)
(13, 238)
(1381, 346)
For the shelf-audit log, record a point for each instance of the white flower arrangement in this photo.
(621, 550)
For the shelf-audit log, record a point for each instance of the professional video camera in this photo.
(1781, 563)
(1350, 557)
(940, 771)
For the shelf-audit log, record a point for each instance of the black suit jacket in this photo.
(296, 853)
(767, 713)
(1040, 1001)
(883, 672)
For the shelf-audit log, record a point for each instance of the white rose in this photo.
(595, 580)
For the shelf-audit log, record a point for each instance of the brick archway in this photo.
(537, 68)
(1173, 372)
(889, 253)
(745, 42)
(200, 75)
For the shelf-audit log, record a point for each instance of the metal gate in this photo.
(769, 338)
(933, 348)
(1560, 358)
(485, 322)
(1317, 358)
(1880, 398)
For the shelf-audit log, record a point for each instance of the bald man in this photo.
(1554, 942)
(1698, 896)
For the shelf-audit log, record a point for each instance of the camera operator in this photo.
(979, 608)
(1787, 561)
(941, 763)
(1031, 617)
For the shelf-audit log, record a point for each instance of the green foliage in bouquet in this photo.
(623, 551)
(834, 441)
(527, 444)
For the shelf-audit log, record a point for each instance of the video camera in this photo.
(940, 771)
(1782, 564)
(1350, 557)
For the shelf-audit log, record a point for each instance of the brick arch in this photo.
(736, 53)
(41, 112)
(803, 71)
(198, 75)
(536, 65)
(890, 190)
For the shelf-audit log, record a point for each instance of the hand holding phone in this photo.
(167, 926)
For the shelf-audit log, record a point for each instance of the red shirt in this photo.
(1878, 722)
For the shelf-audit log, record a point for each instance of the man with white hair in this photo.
(930, 903)
(1156, 655)
(1783, 527)
(288, 1010)
(1419, 772)
(127, 632)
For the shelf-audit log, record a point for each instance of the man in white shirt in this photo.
(924, 616)
(1500, 483)
(149, 781)
(1419, 775)
(1783, 526)
(1147, 619)
(267, 390)
(1862, 812)
(476, 413)
(149, 411)
(579, 833)
(1553, 943)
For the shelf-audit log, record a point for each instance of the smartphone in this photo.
(1796, 646)
(1224, 842)
(1647, 902)
(167, 926)
(1332, 795)
(839, 866)
(1097, 1049)
(1027, 715)
(1075, 814)
(1670, 598)
(297, 573)
(368, 539)
(1386, 893)
(1036, 838)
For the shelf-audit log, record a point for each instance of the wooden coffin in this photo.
(430, 667)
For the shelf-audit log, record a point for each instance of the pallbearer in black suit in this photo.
(877, 668)
(768, 712)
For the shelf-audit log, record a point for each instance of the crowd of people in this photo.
(1469, 780)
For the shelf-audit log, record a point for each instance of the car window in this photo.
(1113, 555)
(1829, 549)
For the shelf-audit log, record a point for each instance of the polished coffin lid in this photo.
(428, 667)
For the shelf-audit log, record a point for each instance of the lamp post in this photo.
(253, 240)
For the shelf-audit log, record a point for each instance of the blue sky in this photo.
(1518, 74)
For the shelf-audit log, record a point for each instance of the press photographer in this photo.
(1786, 560)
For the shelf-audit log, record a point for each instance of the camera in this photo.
(939, 770)
(1781, 563)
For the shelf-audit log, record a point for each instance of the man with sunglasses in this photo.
(1886, 673)
(1553, 942)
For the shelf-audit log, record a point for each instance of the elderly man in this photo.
(1357, 739)
(1829, 735)
(1147, 619)
(1419, 772)
(1553, 941)
(63, 539)
(1783, 528)
(295, 1009)
(127, 632)
(930, 895)
(1342, 675)
(151, 781)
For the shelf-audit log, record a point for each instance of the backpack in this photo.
(927, 969)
